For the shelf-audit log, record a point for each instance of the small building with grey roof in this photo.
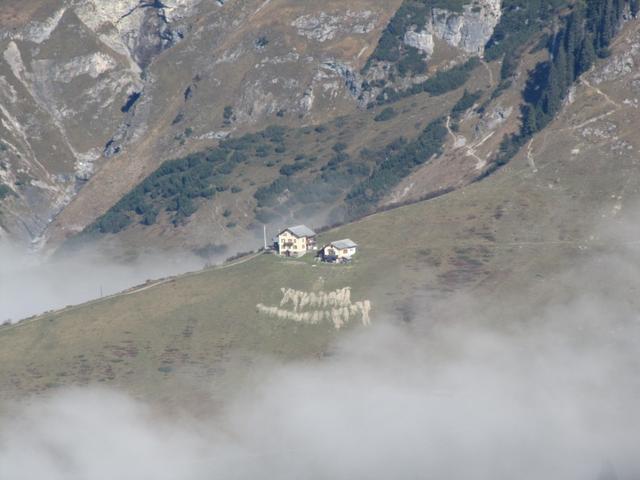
(339, 251)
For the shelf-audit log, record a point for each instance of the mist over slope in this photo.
(31, 283)
(552, 395)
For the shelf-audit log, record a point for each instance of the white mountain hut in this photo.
(296, 241)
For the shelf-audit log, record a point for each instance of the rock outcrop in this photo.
(137, 28)
(465, 32)
(324, 26)
(468, 30)
(63, 82)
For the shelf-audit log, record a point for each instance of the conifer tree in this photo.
(586, 56)
(562, 71)
(529, 121)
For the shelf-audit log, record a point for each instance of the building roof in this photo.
(345, 243)
(300, 231)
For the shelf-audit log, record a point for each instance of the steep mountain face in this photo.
(84, 82)
(271, 112)
(95, 95)
(68, 77)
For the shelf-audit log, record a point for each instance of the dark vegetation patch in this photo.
(131, 101)
(261, 42)
(188, 93)
(227, 115)
(178, 186)
(452, 79)
(311, 195)
(521, 20)
(386, 114)
(467, 101)
(440, 83)
(397, 160)
(5, 191)
(585, 34)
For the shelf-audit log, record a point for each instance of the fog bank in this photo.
(499, 389)
(31, 283)
(555, 400)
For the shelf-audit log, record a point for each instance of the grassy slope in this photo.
(509, 233)
(205, 326)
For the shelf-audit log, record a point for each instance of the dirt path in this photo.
(451, 134)
(616, 107)
(488, 68)
(530, 159)
(470, 150)
(585, 82)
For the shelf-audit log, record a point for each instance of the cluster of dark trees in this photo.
(131, 101)
(172, 187)
(585, 35)
(398, 160)
(386, 114)
(332, 181)
(467, 101)
(520, 21)
(266, 196)
(177, 185)
(452, 79)
(5, 191)
(440, 83)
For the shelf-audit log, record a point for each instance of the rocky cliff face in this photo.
(65, 77)
(139, 29)
(446, 38)
(468, 30)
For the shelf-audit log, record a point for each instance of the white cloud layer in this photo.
(32, 284)
(558, 401)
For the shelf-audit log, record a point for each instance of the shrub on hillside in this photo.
(386, 114)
